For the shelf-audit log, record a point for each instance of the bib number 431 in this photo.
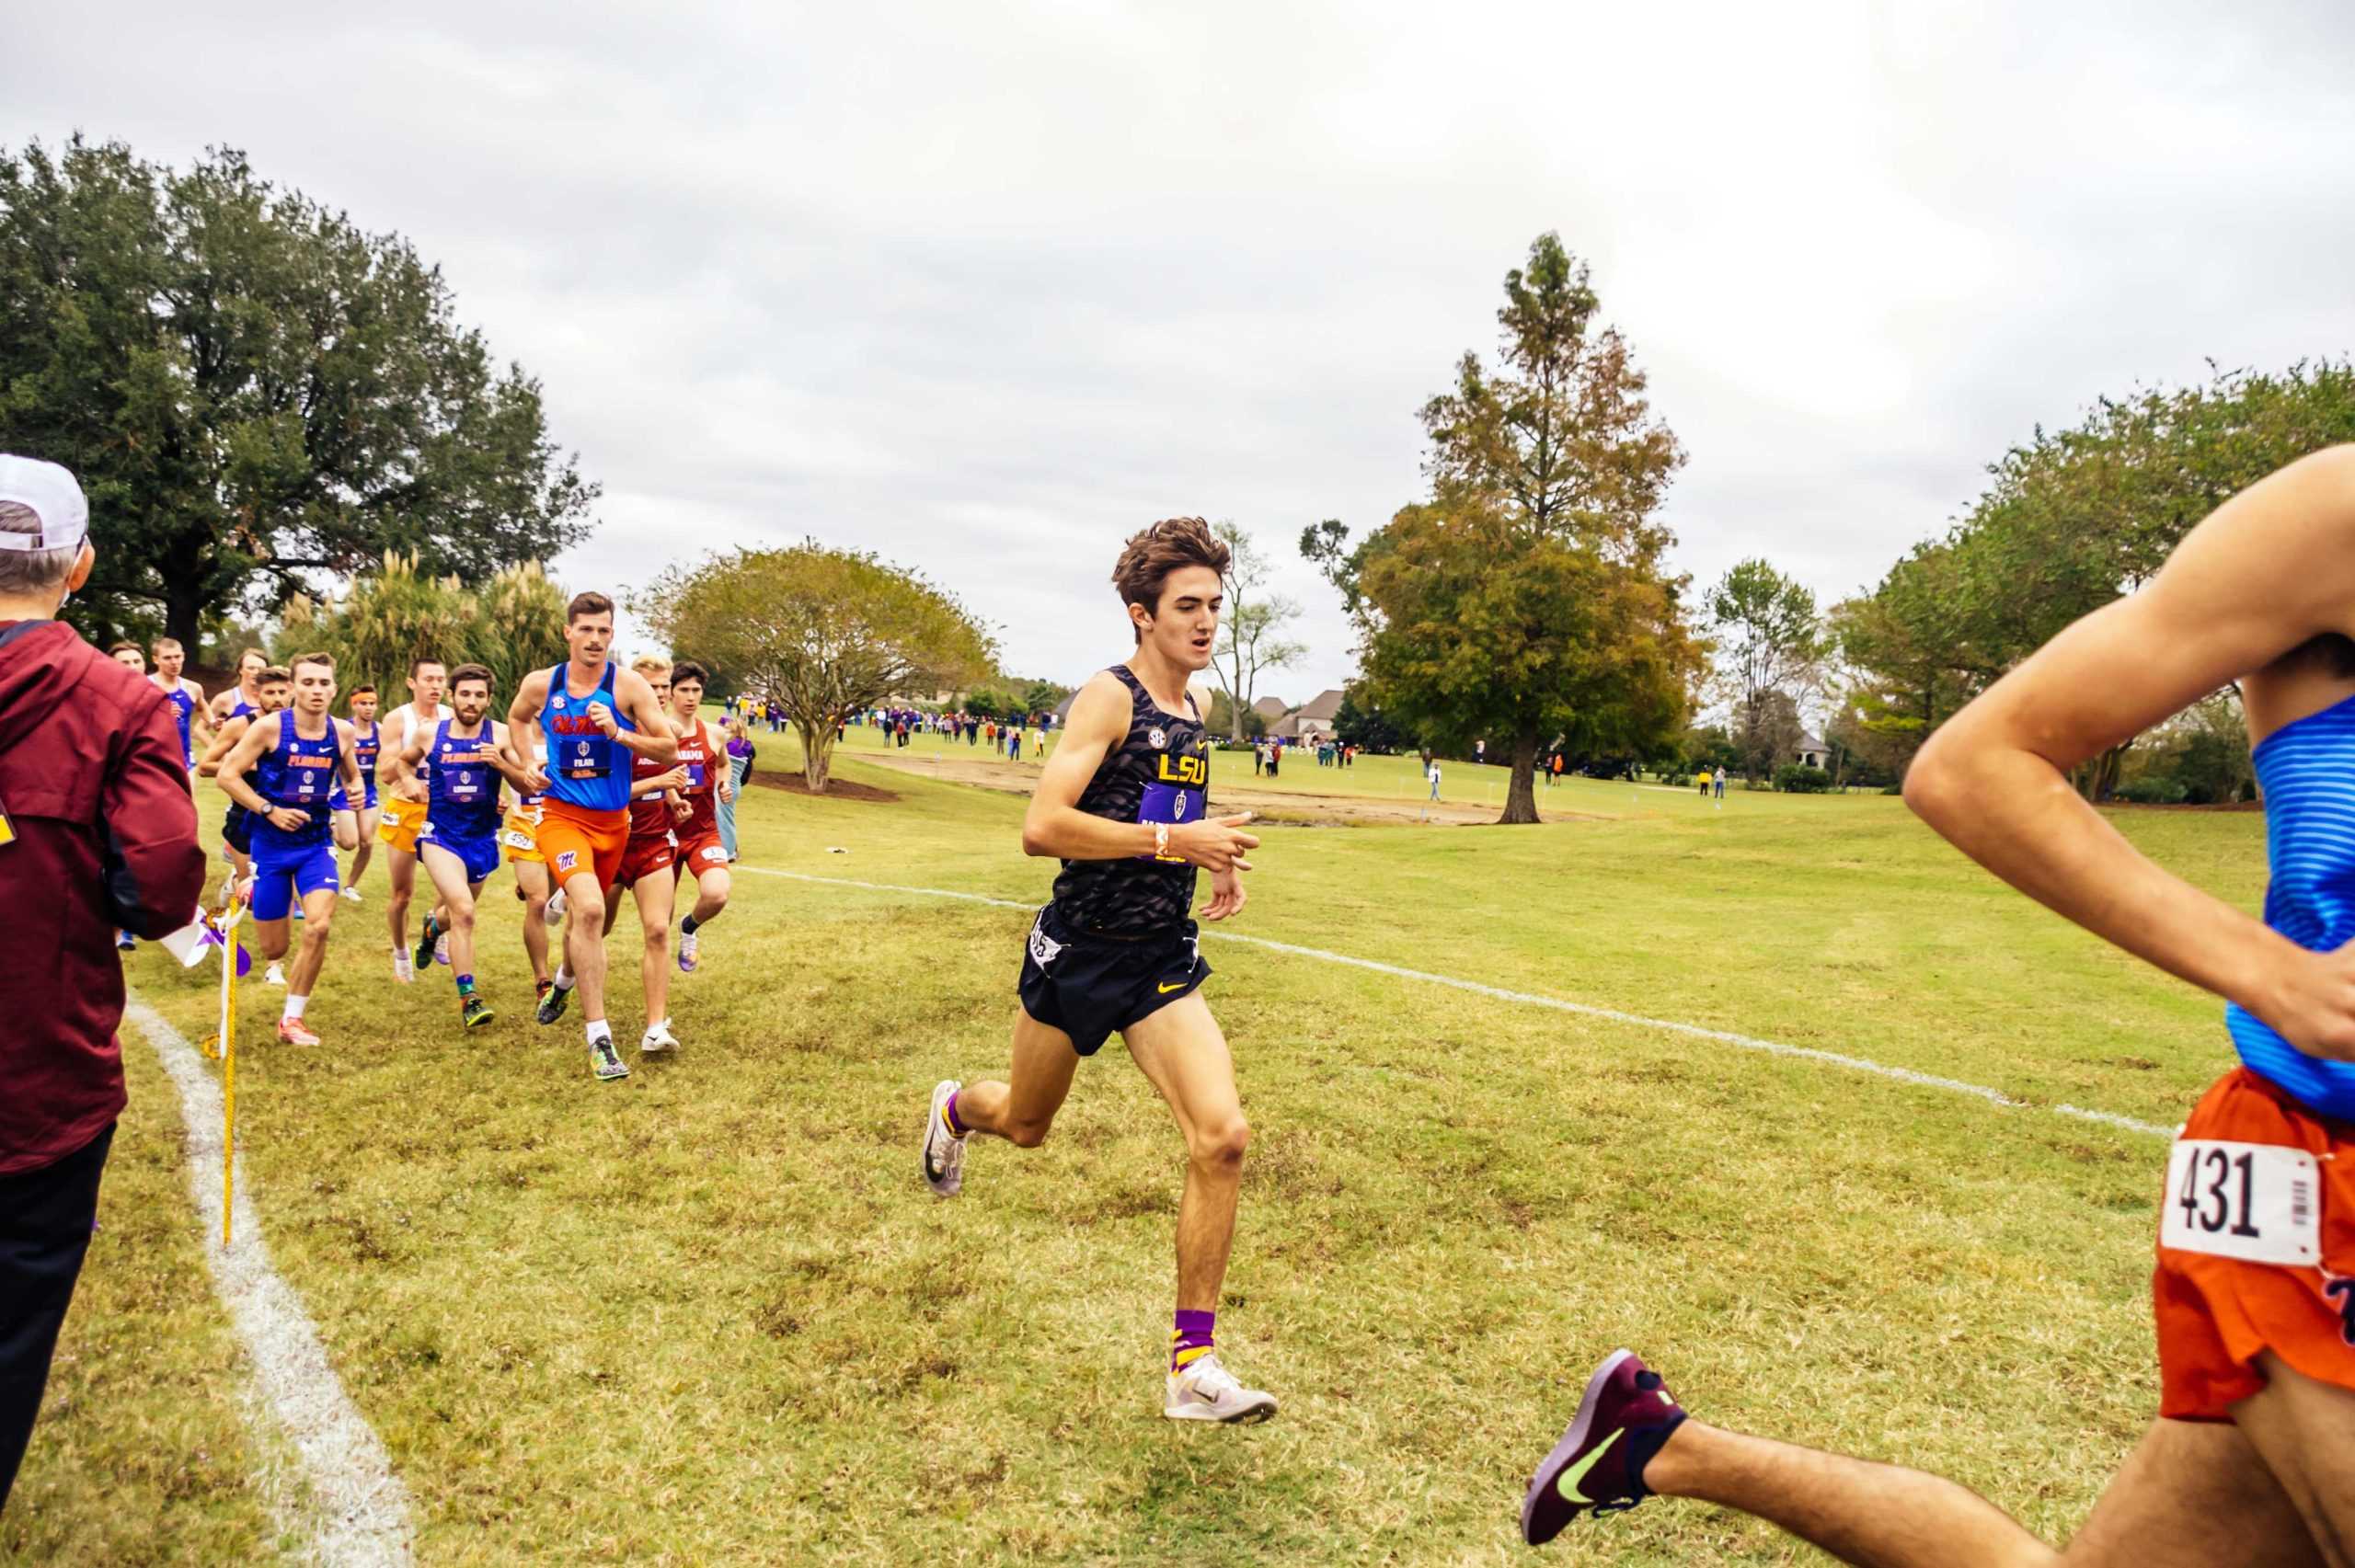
(2258, 1202)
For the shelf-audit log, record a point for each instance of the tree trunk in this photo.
(817, 753)
(1521, 799)
(183, 614)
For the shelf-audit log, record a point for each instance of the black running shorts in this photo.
(1091, 988)
(237, 828)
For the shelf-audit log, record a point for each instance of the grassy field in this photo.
(709, 1314)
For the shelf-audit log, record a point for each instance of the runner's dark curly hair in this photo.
(1169, 546)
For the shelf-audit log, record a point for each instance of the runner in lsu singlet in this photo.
(1116, 942)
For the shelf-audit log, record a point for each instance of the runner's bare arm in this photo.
(500, 753)
(348, 760)
(654, 736)
(406, 781)
(1055, 825)
(223, 740)
(2268, 571)
(241, 756)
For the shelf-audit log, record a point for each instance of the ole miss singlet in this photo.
(1160, 774)
(585, 769)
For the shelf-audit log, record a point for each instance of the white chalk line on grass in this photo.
(358, 1508)
(1584, 1010)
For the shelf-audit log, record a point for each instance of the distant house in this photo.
(1271, 709)
(1813, 752)
(1311, 721)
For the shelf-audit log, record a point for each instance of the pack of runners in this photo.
(596, 780)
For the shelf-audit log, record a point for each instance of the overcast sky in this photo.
(985, 287)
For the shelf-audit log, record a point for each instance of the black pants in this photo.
(45, 1219)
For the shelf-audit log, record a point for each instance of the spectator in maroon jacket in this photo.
(97, 835)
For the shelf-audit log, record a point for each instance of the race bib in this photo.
(695, 775)
(585, 760)
(1173, 804)
(2257, 1202)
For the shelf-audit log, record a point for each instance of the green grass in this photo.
(709, 1314)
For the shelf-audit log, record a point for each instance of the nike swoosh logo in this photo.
(1567, 1486)
(1165, 990)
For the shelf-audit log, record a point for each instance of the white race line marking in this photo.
(1585, 1009)
(359, 1508)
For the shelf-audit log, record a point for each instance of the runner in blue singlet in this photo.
(296, 759)
(465, 758)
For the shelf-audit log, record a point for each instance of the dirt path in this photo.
(1272, 806)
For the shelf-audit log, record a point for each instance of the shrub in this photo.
(1797, 778)
(2152, 789)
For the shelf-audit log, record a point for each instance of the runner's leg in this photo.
(584, 941)
(2192, 1493)
(370, 818)
(311, 953)
(711, 893)
(656, 894)
(400, 870)
(2304, 1431)
(532, 881)
(1180, 1050)
(1022, 1109)
(448, 874)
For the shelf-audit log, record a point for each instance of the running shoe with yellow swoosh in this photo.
(1598, 1467)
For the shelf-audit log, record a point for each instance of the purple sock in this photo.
(1190, 1341)
(948, 1109)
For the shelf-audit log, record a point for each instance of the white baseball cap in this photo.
(55, 497)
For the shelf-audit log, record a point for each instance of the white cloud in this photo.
(985, 288)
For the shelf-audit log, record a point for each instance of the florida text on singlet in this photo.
(1159, 773)
(585, 769)
(297, 770)
(463, 790)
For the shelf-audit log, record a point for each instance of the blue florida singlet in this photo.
(298, 771)
(2307, 771)
(183, 715)
(585, 769)
(364, 746)
(463, 790)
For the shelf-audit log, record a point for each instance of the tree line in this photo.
(2070, 520)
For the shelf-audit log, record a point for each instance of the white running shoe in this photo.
(658, 1040)
(277, 976)
(403, 970)
(1205, 1390)
(441, 949)
(689, 942)
(556, 906)
(944, 1152)
(351, 893)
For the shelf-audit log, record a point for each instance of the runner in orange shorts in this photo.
(2252, 1458)
(595, 721)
